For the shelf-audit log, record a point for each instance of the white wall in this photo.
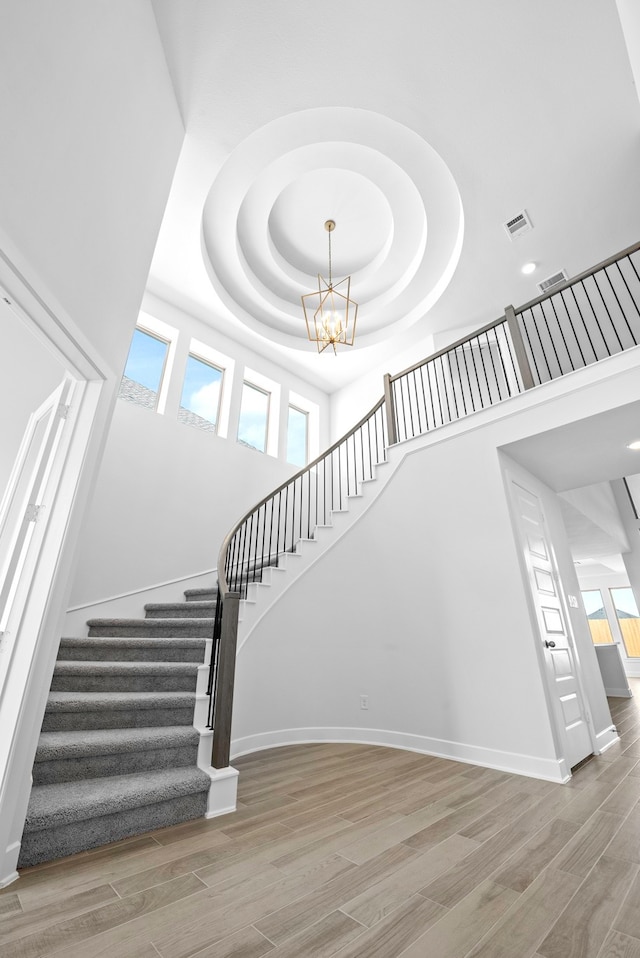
(168, 493)
(430, 622)
(90, 138)
(422, 606)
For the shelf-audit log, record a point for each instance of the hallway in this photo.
(357, 852)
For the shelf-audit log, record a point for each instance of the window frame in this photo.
(606, 616)
(306, 414)
(265, 392)
(618, 588)
(211, 365)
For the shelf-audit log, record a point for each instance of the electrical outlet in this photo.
(364, 701)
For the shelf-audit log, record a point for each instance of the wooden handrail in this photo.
(222, 579)
(577, 279)
(448, 349)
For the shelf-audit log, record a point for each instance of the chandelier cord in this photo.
(330, 284)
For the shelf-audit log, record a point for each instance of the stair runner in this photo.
(117, 753)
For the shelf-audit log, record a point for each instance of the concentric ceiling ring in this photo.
(397, 208)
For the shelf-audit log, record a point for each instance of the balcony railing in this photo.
(577, 323)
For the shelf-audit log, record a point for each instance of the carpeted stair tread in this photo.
(196, 595)
(94, 701)
(187, 610)
(70, 802)
(196, 627)
(81, 667)
(79, 744)
(136, 648)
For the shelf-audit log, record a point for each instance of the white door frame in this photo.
(42, 591)
(513, 478)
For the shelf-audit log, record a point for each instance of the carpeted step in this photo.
(101, 710)
(180, 610)
(73, 816)
(202, 595)
(112, 649)
(152, 628)
(84, 754)
(70, 676)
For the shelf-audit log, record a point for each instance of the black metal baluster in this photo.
(501, 358)
(241, 588)
(472, 354)
(410, 404)
(417, 403)
(484, 370)
(493, 366)
(573, 330)
(622, 312)
(553, 344)
(597, 322)
(561, 331)
(542, 349)
(279, 525)
(631, 296)
(613, 325)
(514, 364)
(464, 402)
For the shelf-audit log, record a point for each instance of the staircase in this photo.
(118, 749)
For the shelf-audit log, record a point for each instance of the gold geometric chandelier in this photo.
(330, 313)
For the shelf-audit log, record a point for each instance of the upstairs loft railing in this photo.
(577, 323)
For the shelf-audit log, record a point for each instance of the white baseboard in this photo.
(606, 739)
(551, 770)
(625, 693)
(9, 879)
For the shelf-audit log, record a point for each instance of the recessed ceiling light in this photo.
(634, 445)
(529, 268)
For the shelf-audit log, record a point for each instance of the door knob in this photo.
(550, 645)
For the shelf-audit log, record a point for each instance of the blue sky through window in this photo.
(625, 602)
(592, 601)
(297, 428)
(254, 414)
(201, 389)
(145, 362)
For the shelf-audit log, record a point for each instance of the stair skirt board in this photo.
(551, 770)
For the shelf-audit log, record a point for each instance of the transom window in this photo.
(144, 369)
(254, 417)
(297, 436)
(201, 392)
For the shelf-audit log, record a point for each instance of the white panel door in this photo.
(557, 642)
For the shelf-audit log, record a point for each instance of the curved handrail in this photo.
(223, 585)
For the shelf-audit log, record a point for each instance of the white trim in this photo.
(551, 770)
(9, 879)
(607, 738)
(131, 605)
(158, 329)
(144, 588)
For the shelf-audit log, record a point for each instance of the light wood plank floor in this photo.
(362, 852)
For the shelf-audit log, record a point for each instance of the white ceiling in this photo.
(420, 127)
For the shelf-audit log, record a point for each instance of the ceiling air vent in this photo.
(518, 224)
(554, 280)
